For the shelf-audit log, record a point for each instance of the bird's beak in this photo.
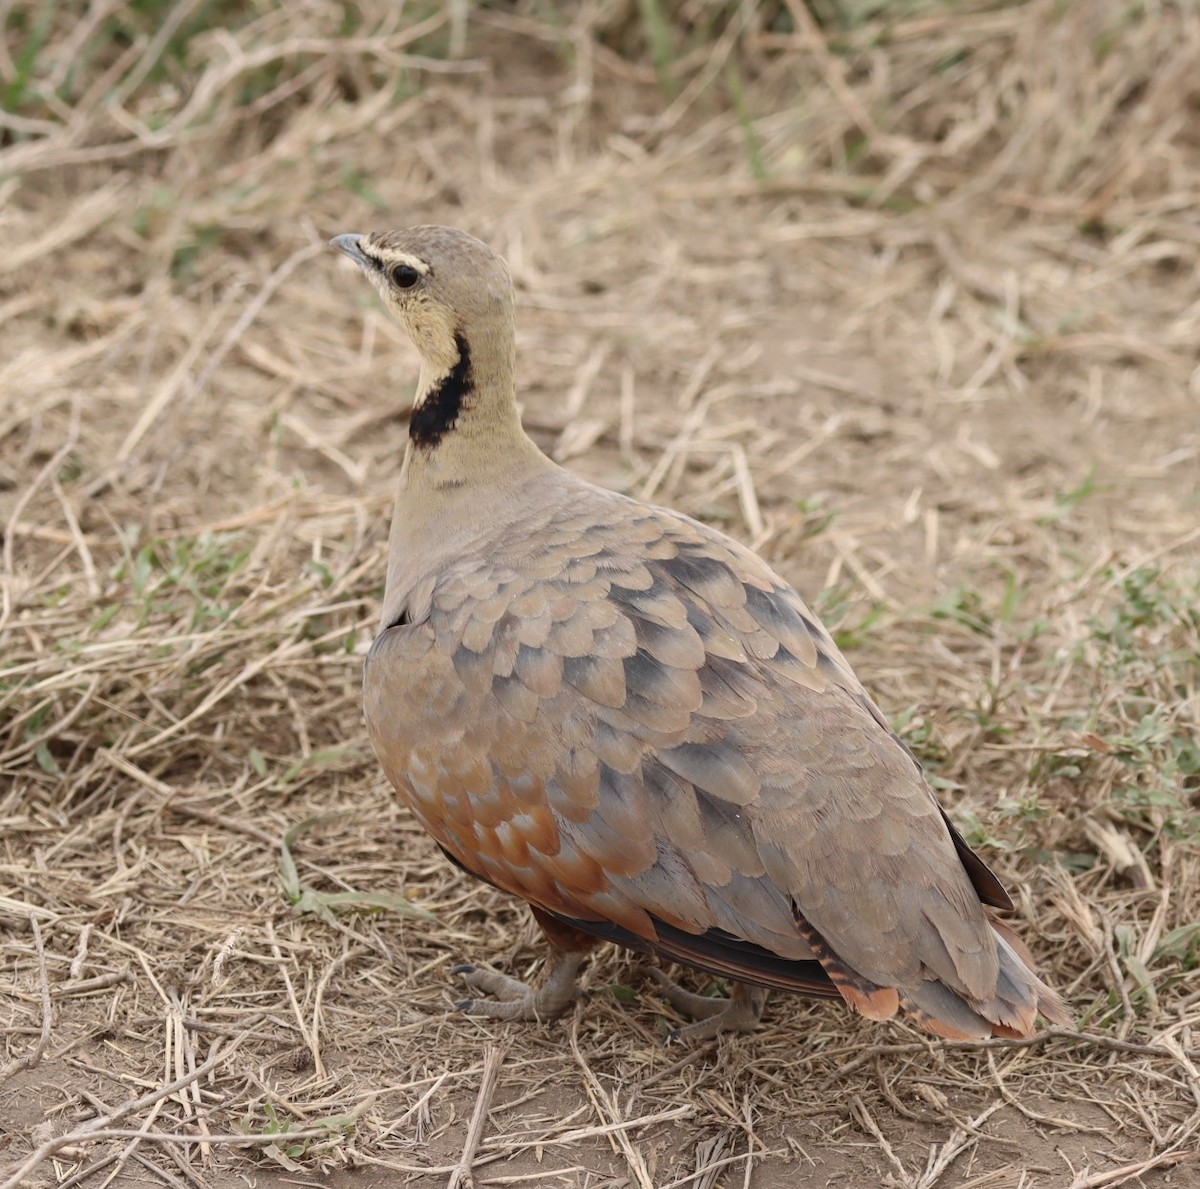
(350, 245)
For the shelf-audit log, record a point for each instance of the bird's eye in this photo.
(405, 276)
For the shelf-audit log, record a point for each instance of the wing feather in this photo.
(644, 730)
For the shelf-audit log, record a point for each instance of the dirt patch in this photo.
(911, 305)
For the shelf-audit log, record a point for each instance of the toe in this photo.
(739, 1013)
(491, 982)
(695, 1007)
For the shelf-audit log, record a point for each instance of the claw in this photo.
(511, 999)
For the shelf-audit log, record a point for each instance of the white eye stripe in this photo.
(402, 259)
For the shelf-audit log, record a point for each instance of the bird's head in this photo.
(441, 283)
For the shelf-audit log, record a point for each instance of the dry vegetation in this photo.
(905, 294)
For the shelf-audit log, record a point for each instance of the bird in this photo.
(628, 719)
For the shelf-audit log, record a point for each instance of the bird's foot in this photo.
(740, 1012)
(512, 999)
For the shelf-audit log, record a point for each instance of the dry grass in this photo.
(912, 306)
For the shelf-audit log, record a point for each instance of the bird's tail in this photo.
(1020, 997)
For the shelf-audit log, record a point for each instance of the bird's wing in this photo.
(629, 720)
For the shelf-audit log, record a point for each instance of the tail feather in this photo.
(1019, 998)
(1017, 966)
(1012, 1011)
(934, 1007)
(866, 997)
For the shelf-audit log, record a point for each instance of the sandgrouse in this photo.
(629, 720)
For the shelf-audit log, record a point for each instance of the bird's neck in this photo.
(467, 458)
(465, 429)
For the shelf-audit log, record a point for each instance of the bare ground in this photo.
(912, 306)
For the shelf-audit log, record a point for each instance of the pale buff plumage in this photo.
(629, 720)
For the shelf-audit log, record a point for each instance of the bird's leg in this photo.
(741, 1012)
(515, 1000)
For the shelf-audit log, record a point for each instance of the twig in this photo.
(462, 1177)
(88, 1170)
(86, 986)
(547, 1139)
(35, 1054)
(607, 1110)
(192, 1103)
(863, 1115)
(333, 968)
(1099, 1040)
(1115, 1175)
(1110, 955)
(960, 1139)
(309, 1040)
(130, 1149)
(80, 959)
